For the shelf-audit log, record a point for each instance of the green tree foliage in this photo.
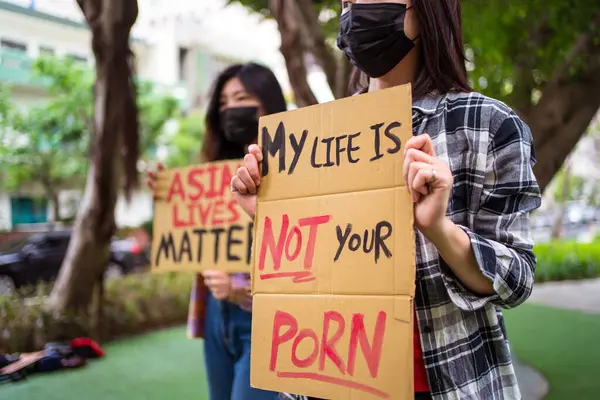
(154, 111)
(329, 11)
(540, 57)
(183, 145)
(6, 110)
(517, 47)
(48, 144)
(568, 187)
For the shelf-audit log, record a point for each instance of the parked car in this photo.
(38, 258)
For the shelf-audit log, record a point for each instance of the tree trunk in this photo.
(557, 228)
(567, 106)
(52, 196)
(342, 78)
(308, 18)
(292, 49)
(115, 130)
(334, 64)
(88, 253)
(558, 122)
(55, 207)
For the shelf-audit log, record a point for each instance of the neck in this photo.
(402, 73)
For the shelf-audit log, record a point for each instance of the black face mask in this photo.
(372, 36)
(240, 124)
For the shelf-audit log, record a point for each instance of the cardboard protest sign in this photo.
(334, 256)
(198, 225)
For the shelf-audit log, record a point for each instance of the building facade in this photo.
(179, 49)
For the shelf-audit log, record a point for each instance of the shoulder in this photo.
(477, 111)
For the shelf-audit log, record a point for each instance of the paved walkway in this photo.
(573, 295)
(532, 384)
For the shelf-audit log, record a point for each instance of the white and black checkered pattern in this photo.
(490, 152)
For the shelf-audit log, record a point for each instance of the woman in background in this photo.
(221, 304)
(469, 172)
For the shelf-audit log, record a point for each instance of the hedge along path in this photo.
(583, 295)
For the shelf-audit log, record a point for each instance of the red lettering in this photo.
(205, 210)
(192, 220)
(295, 232)
(286, 239)
(285, 328)
(328, 344)
(310, 360)
(269, 242)
(358, 336)
(297, 276)
(178, 221)
(226, 179)
(233, 209)
(218, 177)
(218, 212)
(212, 192)
(314, 223)
(194, 182)
(281, 320)
(345, 383)
(176, 188)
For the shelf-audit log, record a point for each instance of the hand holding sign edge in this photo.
(218, 282)
(151, 178)
(246, 181)
(429, 182)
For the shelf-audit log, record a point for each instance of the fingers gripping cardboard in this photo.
(198, 224)
(334, 257)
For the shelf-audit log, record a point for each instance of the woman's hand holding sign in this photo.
(429, 182)
(244, 184)
(151, 177)
(218, 282)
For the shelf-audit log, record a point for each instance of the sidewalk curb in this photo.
(532, 383)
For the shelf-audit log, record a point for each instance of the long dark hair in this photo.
(442, 59)
(260, 82)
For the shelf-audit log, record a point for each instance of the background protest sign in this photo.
(198, 225)
(334, 256)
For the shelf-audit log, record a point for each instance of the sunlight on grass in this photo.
(563, 345)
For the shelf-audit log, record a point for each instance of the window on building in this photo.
(28, 210)
(46, 51)
(183, 56)
(13, 45)
(78, 58)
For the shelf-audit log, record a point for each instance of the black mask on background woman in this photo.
(372, 36)
(240, 124)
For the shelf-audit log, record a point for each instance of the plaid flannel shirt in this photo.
(490, 152)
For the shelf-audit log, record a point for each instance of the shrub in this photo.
(148, 226)
(567, 260)
(134, 304)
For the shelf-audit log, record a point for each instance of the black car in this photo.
(39, 258)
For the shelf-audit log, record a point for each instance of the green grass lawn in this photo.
(160, 366)
(563, 345)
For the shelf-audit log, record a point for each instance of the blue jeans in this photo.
(227, 353)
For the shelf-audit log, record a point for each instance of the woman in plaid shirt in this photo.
(469, 170)
(221, 305)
